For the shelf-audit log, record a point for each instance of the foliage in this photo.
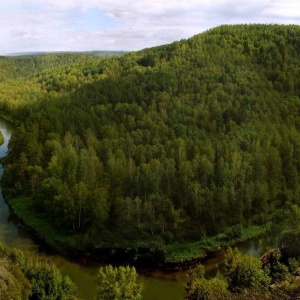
(118, 283)
(13, 283)
(1, 138)
(187, 251)
(198, 287)
(294, 265)
(287, 289)
(204, 289)
(51, 235)
(245, 271)
(48, 283)
(21, 279)
(274, 266)
(247, 278)
(24, 65)
(295, 218)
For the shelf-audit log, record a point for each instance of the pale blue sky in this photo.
(84, 25)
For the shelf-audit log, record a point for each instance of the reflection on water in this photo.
(253, 247)
(157, 288)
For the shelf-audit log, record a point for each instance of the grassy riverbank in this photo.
(43, 229)
(176, 253)
(189, 251)
(1, 138)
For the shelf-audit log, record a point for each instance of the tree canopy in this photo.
(23, 279)
(247, 277)
(118, 283)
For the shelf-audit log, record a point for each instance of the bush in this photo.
(48, 283)
(22, 280)
(203, 289)
(118, 283)
(199, 288)
(245, 271)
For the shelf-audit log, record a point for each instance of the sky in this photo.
(86, 25)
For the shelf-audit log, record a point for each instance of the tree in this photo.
(35, 174)
(99, 207)
(1, 138)
(245, 271)
(22, 167)
(200, 288)
(118, 283)
(48, 283)
(295, 218)
(21, 279)
(80, 192)
(13, 284)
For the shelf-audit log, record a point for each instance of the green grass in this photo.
(188, 251)
(57, 240)
(1, 138)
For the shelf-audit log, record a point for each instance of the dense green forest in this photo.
(173, 143)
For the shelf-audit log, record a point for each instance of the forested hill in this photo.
(170, 143)
(20, 65)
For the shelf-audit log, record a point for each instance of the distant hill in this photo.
(172, 143)
(27, 63)
(106, 53)
(94, 52)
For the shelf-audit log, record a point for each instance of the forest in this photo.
(170, 144)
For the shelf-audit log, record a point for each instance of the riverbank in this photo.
(43, 230)
(170, 257)
(8, 119)
(180, 253)
(1, 138)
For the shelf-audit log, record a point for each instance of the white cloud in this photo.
(283, 10)
(37, 25)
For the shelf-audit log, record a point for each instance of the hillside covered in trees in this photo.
(172, 143)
